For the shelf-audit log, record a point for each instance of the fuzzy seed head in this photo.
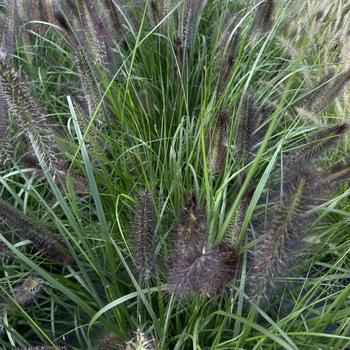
(263, 18)
(326, 91)
(42, 239)
(247, 125)
(144, 230)
(216, 153)
(319, 142)
(276, 252)
(28, 290)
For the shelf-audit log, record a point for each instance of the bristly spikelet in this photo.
(318, 143)
(220, 270)
(113, 18)
(91, 32)
(195, 268)
(216, 148)
(154, 12)
(28, 290)
(235, 226)
(263, 18)
(326, 91)
(191, 12)
(227, 52)
(283, 238)
(5, 146)
(30, 118)
(9, 30)
(109, 342)
(247, 125)
(336, 174)
(144, 231)
(190, 234)
(206, 274)
(187, 245)
(88, 84)
(42, 239)
(100, 39)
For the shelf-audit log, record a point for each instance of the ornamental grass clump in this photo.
(111, 111)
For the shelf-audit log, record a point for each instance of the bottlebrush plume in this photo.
(91, 32)
(206, 274)
(336, 174)
(144, 235)
(227, 52)
(191, 12)
(326, 91)
(221, 270)
(30, 118)
(88, 84)
(235, 227)
(86, 73)
(263, 18)
(113, 16)
(195, 268)
(155, 12)
(216, 148)
(42, 239)
(5, 145)
(319, 142)
(190, 235)
(247, 125)
(282, 241)
(28, 290)
(10, 27)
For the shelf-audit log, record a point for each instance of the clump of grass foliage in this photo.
(174, 174)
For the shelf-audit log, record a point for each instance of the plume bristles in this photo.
(319, 142)
(216, 153)
(42, 239)
(326, 91)
(282, 240)
(263, 18)
(144, 230)
(196, 268)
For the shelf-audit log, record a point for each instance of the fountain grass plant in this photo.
(174, 174)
